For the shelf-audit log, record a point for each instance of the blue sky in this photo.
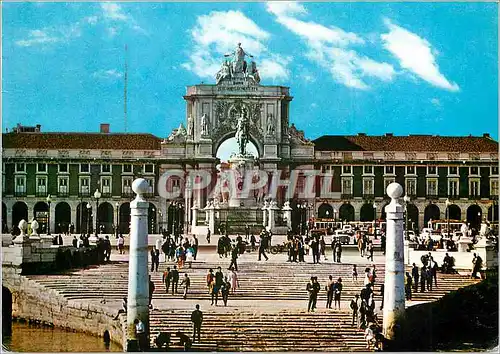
(406, 68)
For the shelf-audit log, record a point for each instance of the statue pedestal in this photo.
(463, 244)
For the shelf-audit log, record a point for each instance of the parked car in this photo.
(343, 237)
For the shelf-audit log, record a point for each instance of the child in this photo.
(354, 272)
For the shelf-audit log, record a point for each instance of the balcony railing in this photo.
(63, 194)
(474, 196)
(453, 196)
(346, 196)
(84, 194)
(20, 193)
(368, 196)
(41, 194)
(127, 194)
(432, 196)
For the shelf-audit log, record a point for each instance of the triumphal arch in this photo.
(237, 106)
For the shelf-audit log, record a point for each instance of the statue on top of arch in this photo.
(237, 67)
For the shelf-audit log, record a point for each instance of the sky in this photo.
(405, 68)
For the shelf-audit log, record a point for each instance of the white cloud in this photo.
(38, 37)
(92, 20)
(107, 74)
(314, 105)
(436, 102)
(328, 46)
(416, 55)
(218, 33)
(113, 11)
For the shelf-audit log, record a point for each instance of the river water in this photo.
(31, 338)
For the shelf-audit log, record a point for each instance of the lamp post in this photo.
(49, 200)
(406, 200)
(82, 209)
(375, 220)
(160, 223)
(448, 216)
(97, 196)
(89, 214)
(152, 221)
(117, 222)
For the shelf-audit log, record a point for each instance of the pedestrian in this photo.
(175, 280)
(189, 256)
(233, 279)
(75, 242)
(153, 258)
(383, 242)
(208, 235)
(247, 232)
(313, 289)
(334, 243)
(167, 278)
(263, 245)
(234, 257)
(370, 251)
(121, 244)
(434, 269)
(107, 248)
(367, 280)
(414, 274)
(477, 265)
(253, 241)
(218, 281)
(428, 279)
(225, 288)
(158, 244)
(197, 319)
(322, 247)
(363, 308)
(210, 278)
(165, 247)
(408, 286)
(195, 246)
(337, 288)
(151, 291)
(315, 250)
(354, 272)
(140, 334)
(423, 277)
(329, 292)
(354, 307)
(186, 282)
(338, 250)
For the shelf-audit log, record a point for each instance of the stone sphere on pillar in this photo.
(140, 186)
(394, 190)
(23, 225)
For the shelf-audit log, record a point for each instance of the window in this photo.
(389, 170)
(41, 185)
(151, 183)
(149, 168)
(494, 187)
(346, 186)
(328, 169)
(106, 185)
(63, 186)
(453, 170)
(347, 169)
(474, 171)
(20, 185)
(85, 186)
(388, 181)
(453, 187)
(494, 170)
(127, 168)
(474, 188)
(41, 167)
(20, 167)
(410, 170)
(368, 170)
(368, 186)
(63, 168)
(432, 187)
(106, 168)
(84, 168)
(411, 186)
(127, 186)
(432, 170)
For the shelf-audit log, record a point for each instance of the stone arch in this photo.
(231, 134)
(152, 217)
(367, 212)
(325, 211)
(431, 212)
(105, 217)
(474, 216)
(413, 216)
(5, 228)
(346, 212)
(493, 213)
(41, 214)
(124, 218)
(62, 217)
(83, 218)
(454, 212)
(19, 212)
(6, 312)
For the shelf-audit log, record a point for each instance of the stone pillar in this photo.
(194, 218)
(272, 215)
(138, 279)
(211, 219)
(34, 231)
(264, 214)
(287, 215)
(394, 290)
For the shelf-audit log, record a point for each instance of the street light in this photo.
(49, 200)
(89, 214)
(448, 215)
(375, 220)
(97, 195)
(117, 219)
(406, 200)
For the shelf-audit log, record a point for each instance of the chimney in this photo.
(389, 134)
(486, 135)
(104, 128)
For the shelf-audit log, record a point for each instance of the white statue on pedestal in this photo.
(190, 130)
(270, 125)
(205, 124)
(34, 227)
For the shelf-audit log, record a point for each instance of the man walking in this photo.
(167, 278)
(263, 245)
(338, 250)
(334, 244)
(219, 279)
(408, 286)
(234, 257)
(313, 289)
(186, 282)
(197, 319)
(195, 246)
(175, 279)
(151, 291)
(354, 307)
(208, 235)
(414, 274)
(329, 292)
